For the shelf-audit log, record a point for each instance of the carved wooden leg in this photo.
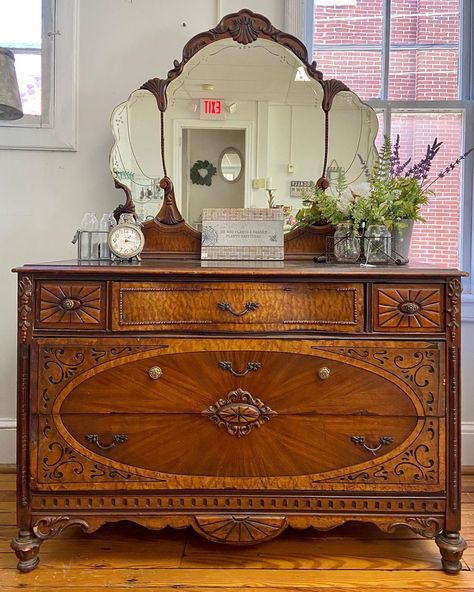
(451, 545)
(26, 546)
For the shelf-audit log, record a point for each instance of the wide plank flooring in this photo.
(126, 556)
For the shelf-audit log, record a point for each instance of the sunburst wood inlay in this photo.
(71, 304)
(418, 308)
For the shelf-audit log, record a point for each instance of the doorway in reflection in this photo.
(224, 150)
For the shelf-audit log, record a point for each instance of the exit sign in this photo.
(212, 109)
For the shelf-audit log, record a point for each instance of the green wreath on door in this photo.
(202, 172)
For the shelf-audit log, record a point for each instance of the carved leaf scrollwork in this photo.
(453, 308)
(25, 296)
(51, 526)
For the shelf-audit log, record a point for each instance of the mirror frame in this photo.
(168, 235)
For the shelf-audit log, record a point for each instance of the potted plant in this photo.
(411, 189)
(341, 206)
(382, 210)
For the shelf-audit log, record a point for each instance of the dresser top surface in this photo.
(190, 268)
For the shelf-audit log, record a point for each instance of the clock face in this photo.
(126, 241)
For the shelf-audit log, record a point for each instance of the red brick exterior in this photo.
(415, 74)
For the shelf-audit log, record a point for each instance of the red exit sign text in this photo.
(212, 109)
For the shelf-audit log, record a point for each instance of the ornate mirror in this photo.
(244, 111)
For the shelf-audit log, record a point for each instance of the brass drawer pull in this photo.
(117, 439)
(383, 441)
(251, 367)
(249, 307)
(324, 373)
(155, 372)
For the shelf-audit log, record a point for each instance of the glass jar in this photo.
(378, 244)
(346, 243)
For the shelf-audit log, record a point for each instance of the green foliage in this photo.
(385, 199)
(410, 199)
(311, 212)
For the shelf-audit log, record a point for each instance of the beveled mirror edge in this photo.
(244, 27)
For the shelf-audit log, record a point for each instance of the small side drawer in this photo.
(414, 308)
(246, 306)
(71, 305)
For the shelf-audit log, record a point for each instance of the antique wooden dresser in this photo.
(238, 400)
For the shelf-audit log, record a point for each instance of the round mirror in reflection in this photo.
(230, 165)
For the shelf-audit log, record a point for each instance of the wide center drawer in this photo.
(246, 306)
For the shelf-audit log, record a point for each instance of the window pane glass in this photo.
(341, 27)
(20, 25)
(436, 241)
(360, 70)
(425, 21)
(424, 49)
(423, 75)
(28, 70)
(348, 22)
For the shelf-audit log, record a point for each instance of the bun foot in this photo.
(451, 545)
(26, 546)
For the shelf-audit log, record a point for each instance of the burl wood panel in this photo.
(245, 306)
(369, 377)
(194, 445)
(70, 304)
(417, 308)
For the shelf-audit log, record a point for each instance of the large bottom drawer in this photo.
(198, 451)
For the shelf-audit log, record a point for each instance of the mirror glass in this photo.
(230, 165)
(255, 98)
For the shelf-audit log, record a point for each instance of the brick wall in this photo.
(415, 74)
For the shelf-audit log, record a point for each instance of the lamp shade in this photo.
(10, 102)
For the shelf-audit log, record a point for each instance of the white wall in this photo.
(122, 43)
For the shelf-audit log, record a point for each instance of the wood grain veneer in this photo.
(336, 398)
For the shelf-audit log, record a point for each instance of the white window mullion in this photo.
(47, 63)
(387, 16)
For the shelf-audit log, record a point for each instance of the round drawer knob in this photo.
(324, 373)
(155, 372)
(68, 303)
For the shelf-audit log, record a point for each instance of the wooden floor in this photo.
(127, 557)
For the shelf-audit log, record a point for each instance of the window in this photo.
(409, 60)
(41, 34)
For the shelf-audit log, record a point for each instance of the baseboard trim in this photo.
(8, 442)
(467, 442)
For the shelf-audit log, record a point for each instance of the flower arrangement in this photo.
(393, 192)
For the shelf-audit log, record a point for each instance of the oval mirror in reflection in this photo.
(230, 165)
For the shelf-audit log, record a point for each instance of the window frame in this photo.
(303, 28)
(58, 130)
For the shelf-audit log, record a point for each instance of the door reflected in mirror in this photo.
(226, 189)
(230, 165)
